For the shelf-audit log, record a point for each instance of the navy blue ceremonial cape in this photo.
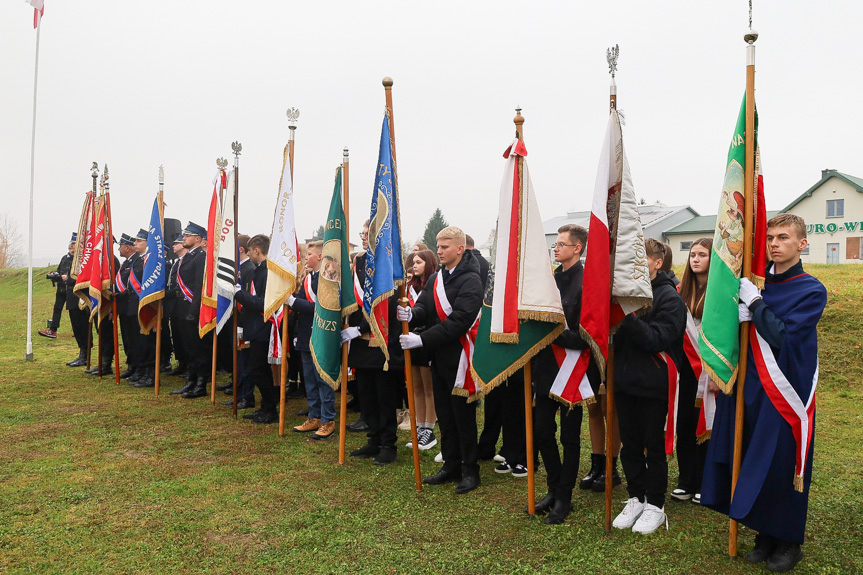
(765, 499)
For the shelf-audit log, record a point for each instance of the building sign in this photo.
(834, 227)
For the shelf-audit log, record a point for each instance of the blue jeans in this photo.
(320, 396)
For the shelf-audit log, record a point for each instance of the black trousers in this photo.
(561, 475)
(131, 333)
(690, 455)
(492, 408)
(106, 338)
(59, 302)
(200, 350)
(177, 342)
(642, 427)
(148, 348)
(167, 340)
(514, 447)
(261, 375)
(80, 320)
(224, 347)
(379, 394)
(457, 420)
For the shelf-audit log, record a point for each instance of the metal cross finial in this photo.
(518, 109)
(222, 163)
(293, 115)
(94, 170)
(161, 175)
(237, 147)
(611, 55)
(750, 14)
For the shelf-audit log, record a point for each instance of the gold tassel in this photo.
(601, 389)
(704, 436)
(798, 483)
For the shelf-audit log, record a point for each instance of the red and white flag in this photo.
(209, 303)
(616, 278)
(38, 11)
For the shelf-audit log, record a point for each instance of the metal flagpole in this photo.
(90, 320)
(222, 163)
(99, 357)
(237, 147)
(403, 300)
(293, 114)
(611, 55)
(343, 391)
(157, 368)
(528, 379)
(748, 224)
(29, 354)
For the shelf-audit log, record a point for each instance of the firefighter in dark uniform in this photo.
(146, 343)
(171, 306)
(127, 309)
(190, 279)
(59, 280)
(79, 319)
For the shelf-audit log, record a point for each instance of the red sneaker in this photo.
(48, 333)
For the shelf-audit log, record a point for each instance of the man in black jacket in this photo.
(146, 344)
(448, 307)
(257, 331)
(62, 273)
(190, 279)
(170, 306)
(644, 347)
(245, 385)
(127, 310)
(561, 476)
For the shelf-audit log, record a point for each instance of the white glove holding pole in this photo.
(404, 313)
(237, 288)
(291, 300)
(349, 333)
(410, 341)
(748, 292)
(743, 313)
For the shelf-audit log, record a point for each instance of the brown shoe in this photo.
(325, 430)
(308, 425)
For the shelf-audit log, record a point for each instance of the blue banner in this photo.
(153, 278)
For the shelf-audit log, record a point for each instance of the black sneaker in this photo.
(385, 456)
(519, 470)
(503, 468)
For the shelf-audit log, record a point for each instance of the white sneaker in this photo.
(438, 458)
(630, 514)
(499, 458)
(651, 519)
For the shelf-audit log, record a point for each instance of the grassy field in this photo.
(96, 477)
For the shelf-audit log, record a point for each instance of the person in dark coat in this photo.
(80, 321)
(190, 279)
(257, 331)
(171, 307)
(245, 385)
(644, 344)
(561, 476)
(462, 288)
(127, 310)
(64, 268)
(145, 344)
(772, 492)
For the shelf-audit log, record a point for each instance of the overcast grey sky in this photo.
(139, 84)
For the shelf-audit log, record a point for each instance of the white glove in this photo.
(748, 292)
(239, 332)
(743, 313)
(349, 333)
(237, 288)
(295, 342)
(404, 313)
(410, 340)
(291, 300)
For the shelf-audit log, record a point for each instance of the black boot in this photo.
(149, 379)
(129, 371)
(785, 557)
(80, 360)
(597, 464)
(765, 545)
(599, 483)
(190, 385)
(559, 512)
(140, 373)
(200, 389)
(544, 505)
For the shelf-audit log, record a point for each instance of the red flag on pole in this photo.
(38, 11)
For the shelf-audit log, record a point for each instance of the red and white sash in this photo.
(136, 285)
(188, 295)
(571, 385)
(673, 401)
(705, 399)
(307, 284)
(464, 383)
(118, 281)
(413, 295)
(274, 348)
(786, 401)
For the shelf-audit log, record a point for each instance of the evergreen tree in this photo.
(319, 234)
(435, 224)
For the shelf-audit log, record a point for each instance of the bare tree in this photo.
(11, 254)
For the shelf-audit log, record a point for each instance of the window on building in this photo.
(685, 246)
(835, 208)
(805, 252)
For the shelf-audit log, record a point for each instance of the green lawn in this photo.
(96, 477)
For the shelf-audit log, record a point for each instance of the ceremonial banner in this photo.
(525, 313)
(616, 278)
(85, 248)
(283, 259)
(719, 336)
(82, 248)
(384, 262)
(335, 292)
(100, 277)
(226, 271)
(153, 280)
(207, 316)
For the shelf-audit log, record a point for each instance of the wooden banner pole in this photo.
(343, 390)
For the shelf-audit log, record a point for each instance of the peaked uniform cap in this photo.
(126, 240)
(193, 229)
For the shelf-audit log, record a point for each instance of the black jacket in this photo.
(127, 301)
(191, 271)
(545, 368)
(464, 291)
(304, 307)
(483, 267)
(637, 369)
(252, 315)
(64, 268)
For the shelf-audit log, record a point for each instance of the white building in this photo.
(832, 209)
